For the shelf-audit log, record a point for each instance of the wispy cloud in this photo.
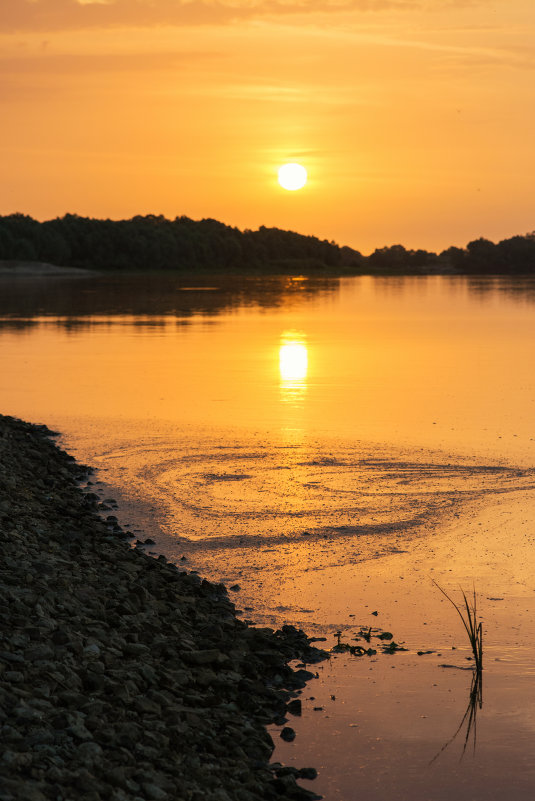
(77, 63)
(470, 59)
(51, 15)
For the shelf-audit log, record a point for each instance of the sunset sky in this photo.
(415, 119)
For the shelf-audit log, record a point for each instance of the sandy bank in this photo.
(122, 677)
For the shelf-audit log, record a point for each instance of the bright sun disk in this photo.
(292, 176)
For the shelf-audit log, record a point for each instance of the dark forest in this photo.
(156, 243)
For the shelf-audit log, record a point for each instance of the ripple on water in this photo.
(247, 505)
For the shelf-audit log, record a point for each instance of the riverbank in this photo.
(122, 677)
(38, 269)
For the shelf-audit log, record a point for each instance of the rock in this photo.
(286, 770)
(147, 707)
(79, 732)
(88, 753)
(60, 637)
(117, 777)
(14, 759)
(294, 707)
(91, 650)
(205, 657)
(308, 773)
(13, 676)
(154, 793)
(135, 649)
(149, 674)
(288, 734)
(92, 681)
(38, 653)
(86, 782)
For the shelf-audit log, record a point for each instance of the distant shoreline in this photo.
(13, 268)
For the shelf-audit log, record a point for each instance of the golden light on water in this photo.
(293, 368)
(293, 361)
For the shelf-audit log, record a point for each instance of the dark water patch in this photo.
(155, 295)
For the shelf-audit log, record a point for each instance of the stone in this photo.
(91, 650)
(307, 773)
(86, 782)
(154, 793)
(13, 676)
(204, 657)
(295, 706)
(79, 732)
(88, 753)
(288, 734)
(38, 653)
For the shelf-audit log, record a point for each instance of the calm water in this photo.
(329, 446)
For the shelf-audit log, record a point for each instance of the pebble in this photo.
(288, 734)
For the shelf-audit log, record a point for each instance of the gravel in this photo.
(121, 676)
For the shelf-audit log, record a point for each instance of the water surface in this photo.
(328, 446)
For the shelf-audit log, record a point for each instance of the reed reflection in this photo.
(469, 719)
(293, 368)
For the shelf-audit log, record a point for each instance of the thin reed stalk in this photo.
(474, 629)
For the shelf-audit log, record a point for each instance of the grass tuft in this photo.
(474, 629)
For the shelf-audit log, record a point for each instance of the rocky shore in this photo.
(122, 677)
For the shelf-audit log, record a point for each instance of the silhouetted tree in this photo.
(482, 256)
(453, 259)
(153, 242)
(397, 259)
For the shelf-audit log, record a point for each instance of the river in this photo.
(327, 447)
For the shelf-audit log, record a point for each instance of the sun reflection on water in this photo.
(293, 368)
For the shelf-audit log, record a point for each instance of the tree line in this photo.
(153, 242)
(513, 256)
(156, 243)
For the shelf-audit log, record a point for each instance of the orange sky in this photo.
(414, 118)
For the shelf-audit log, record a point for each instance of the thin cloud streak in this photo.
(512, 57)
(56, 15)
(75, 63)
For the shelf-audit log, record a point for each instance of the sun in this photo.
(292, 176)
